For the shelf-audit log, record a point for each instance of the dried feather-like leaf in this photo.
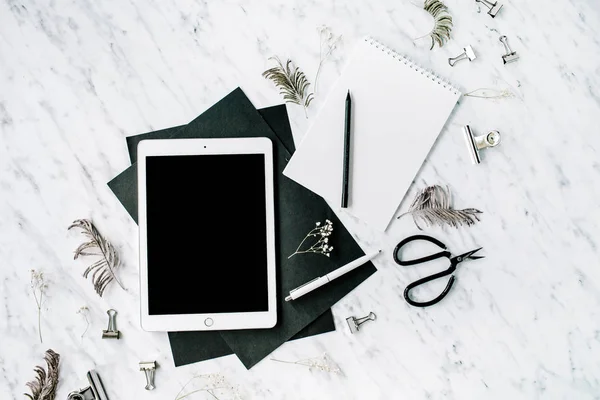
(432, 207)
(102, 270)
(440, 33)
(45, 383)
(292, 83)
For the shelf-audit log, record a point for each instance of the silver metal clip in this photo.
(111, 332)
(494, 8)
(149, 367)
(510, 56)
(354, 323)
(93, 392)
(468, 54)
(477, 143)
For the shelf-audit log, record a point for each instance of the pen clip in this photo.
(301, 286)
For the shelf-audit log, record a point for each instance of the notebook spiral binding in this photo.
(408, 62)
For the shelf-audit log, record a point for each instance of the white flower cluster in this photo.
(321, 232)
(214, 384)
(324, 232)
(323, 363)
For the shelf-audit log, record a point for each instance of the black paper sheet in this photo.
(298, 209)
(191, 347)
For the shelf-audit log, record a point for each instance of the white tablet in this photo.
(207, 234)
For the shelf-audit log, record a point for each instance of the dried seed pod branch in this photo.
(102, 270)
(45, 383)
(442, 22)
(292, 83)
(432, 207)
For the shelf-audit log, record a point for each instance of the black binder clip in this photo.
(468, 54)
(494, 8)
(477, 143)
(510, 56)
(354, 323)
(93, 392)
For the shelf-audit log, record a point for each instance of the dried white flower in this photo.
(216, 385)
(322, 363)
(38, 287)
(327, 44)
(322, 233)
(84, 312)
(485, 93)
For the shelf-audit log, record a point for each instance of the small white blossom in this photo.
(321, 245)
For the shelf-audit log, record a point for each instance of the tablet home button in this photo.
(209, 322)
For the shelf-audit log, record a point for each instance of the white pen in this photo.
(322, 280)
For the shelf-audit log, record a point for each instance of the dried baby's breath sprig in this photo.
(103, 270)
(45, 383)
(320, 234)
(84, 312)
(322, 363)
(440, 33)
(38, 287)
(292, 83)
(432, 206)
(485, 93)
(215, 385)
(327, 44)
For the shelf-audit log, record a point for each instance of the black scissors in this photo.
(454, 261)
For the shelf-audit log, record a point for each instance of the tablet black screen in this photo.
(206, 231)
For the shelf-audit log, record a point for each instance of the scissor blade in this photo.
(469, 255)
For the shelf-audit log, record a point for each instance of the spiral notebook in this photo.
(398, 111)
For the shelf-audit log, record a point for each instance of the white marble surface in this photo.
(77, 77)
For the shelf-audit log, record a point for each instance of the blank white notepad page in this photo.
(398, 110)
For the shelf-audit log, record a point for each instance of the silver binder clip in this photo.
(93, 392)
(354, 323)
(149, 367)
(494, 8)
(477, 143)
(468, 54)
(510, 56)
(111, 332)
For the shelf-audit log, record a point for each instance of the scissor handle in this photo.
(422, 259)
(429, 279)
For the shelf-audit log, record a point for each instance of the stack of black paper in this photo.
(296, 209)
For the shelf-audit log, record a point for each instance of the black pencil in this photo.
(346, 172)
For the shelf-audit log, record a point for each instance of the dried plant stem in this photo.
(301, 243)
(38, 287)
(328, 42)
(214, 382)
(83, 311)
(486, 93)
(39, 307)
(323, 363)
